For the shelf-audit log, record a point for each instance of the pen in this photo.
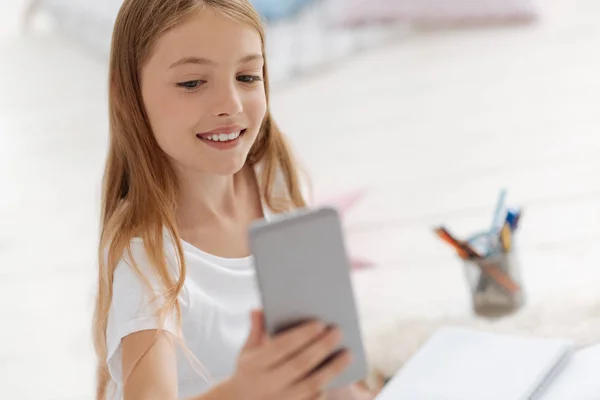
(506, 237)
(512, 217)
(498, 217)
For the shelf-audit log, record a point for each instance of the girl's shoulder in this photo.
(140, 262)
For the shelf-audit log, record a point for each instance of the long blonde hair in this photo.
(139, 186)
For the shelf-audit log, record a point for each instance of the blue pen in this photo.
(499, 214)
(512, 217)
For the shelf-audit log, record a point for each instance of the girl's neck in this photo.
(207, 198)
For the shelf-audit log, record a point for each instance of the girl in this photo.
(194, 158)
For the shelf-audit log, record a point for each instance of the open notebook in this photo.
(461, 364)
(579, 380)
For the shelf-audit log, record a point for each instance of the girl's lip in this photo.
(222, 129)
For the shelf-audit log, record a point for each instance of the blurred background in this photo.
(422, 111)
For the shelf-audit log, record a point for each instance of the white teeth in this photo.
(223, 137)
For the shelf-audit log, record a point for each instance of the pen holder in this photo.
(494, 280)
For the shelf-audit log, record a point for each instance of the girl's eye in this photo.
(190, 85)
(249, 78)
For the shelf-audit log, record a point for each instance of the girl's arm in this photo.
(149, 366)
(151, 358)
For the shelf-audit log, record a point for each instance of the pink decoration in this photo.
(360, 263)
(344, 202)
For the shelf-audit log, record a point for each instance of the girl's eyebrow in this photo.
(206, 61)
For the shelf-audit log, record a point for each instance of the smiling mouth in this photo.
(222, 137)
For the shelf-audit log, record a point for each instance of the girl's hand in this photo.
(354, 392)
(285, 367)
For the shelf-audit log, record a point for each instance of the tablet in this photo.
(303, 273)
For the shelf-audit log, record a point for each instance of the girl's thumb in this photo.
(257, 330)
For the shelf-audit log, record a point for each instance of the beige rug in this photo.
(571, 315)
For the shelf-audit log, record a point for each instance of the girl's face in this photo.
(204, 95)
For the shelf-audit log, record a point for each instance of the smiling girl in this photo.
(195, 157)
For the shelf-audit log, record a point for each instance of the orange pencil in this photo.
(500, 277)
(464, 250)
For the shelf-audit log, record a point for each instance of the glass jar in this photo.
(494, 280)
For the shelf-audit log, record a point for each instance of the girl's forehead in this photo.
(211, 36)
